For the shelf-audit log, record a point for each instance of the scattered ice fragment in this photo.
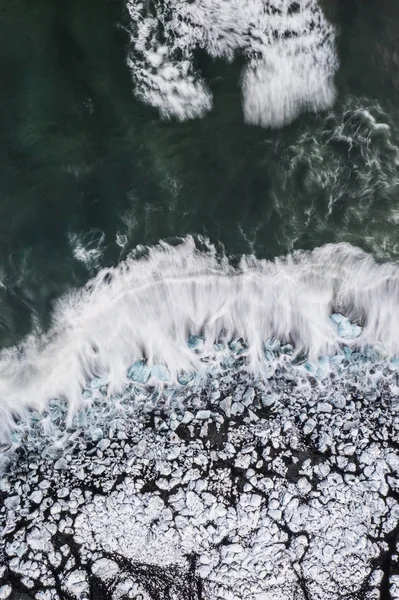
(310, 367)
(347, 352)
(349, 450)
(187, 417)
(324, 407)
(395, 362)
(234, 549)
(140, 448)
(97, 434)
(61, 464)
(323, 366)
(76, 582)
(374, 353)
(275, 514)
(185, 378)
(96, 383)
(37, 496)
(5, 591)
(105, 568)
(203, 415)
(287, 349)
(139, 372)
(237, 408)
(309, 425)
(304, 485)
(16, 436)
(196, 343)
(38, 538)
(225, 405)
(256, 500)
(54, 452)
(160, 372)
(4, 485)
(269, 400)
(103, 444)
(345, 328)
(173, 453)
(272, 349)
(237, 346)
(248, 396)
(338, 400)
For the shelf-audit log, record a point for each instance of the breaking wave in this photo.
(289, 47)
(176, 307)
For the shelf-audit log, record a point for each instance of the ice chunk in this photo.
(96, 383)
(5, 591)
(103, 444)
(374, 353)
(185, 378)
(248, 396)
(304, 485)
(310, 367)
(202, 415)
(345, 328)
(287, 349)
(97, 434)
(105, 568)
(309, 425)
(188, 417)
(37, 496)
(61, 464)
(347, 352)
(12, 502)
(324, 365)
(196, 343)
(139, 371)
(76, 582)
(237, 346)
(160, 372)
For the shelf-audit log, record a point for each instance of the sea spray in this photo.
(145, 310)
(289, 49)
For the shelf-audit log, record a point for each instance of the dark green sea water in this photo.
(87, 171)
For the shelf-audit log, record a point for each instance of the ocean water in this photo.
(199, 300)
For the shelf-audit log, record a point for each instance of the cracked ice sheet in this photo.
(261, 491)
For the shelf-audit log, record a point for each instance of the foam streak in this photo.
(148, 307)
(290, 50)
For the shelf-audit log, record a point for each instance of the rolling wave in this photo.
(172, 306)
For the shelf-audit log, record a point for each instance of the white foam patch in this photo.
(88, 247)
(289, 46)
(148, 307)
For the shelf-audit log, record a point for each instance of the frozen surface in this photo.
(228, 486)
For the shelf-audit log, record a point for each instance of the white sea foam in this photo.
(289, 46)
(88, 247)
(148, 307)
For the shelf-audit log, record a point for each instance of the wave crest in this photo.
(147, 308)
